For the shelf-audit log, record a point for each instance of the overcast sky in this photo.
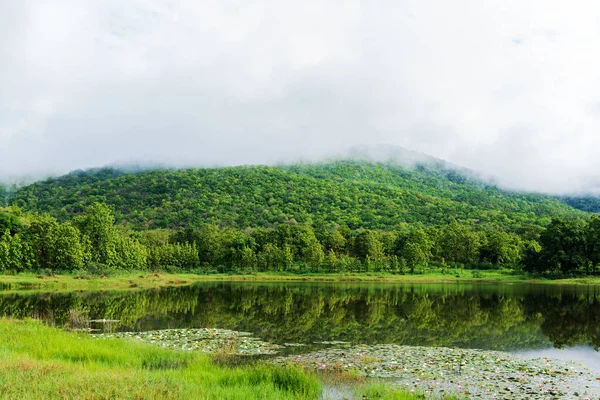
(507, 87)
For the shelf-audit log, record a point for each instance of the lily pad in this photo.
(459, 372)
(207, 340)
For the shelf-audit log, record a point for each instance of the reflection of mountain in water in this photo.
(505, 317)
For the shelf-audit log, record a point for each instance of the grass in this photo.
(43, 362)
(145, 280)
(121, 280)
(382, 391)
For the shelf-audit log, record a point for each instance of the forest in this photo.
(343, 216)
(357, 194)
(93, 243)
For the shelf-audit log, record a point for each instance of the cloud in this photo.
(506, 88)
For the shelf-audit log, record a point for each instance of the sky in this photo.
(509, 88)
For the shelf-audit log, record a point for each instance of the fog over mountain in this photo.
(509, 89)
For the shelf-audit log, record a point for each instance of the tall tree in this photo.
(564, 245)
(66, 250)
(414, 247)
(458, 243)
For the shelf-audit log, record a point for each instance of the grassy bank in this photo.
(145, 280)
(44, 362)
(121, 280)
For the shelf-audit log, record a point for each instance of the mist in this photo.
(508, 89)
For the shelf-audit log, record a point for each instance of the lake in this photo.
(431, 338)
(509, 317)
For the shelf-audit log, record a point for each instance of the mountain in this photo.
(364, 191)
(583, 203)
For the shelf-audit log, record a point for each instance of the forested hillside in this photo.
(584, 203)
(358, 194)
(343, 216)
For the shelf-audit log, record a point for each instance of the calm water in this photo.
(521, 318)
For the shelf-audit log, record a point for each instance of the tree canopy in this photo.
(358, 194)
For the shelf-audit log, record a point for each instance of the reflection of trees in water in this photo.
(570, 319)
(452, 316)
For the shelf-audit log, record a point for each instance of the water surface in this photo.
(512, 317)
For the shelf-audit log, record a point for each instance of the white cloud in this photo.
(509, 88)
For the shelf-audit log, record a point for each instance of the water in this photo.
(516, 317)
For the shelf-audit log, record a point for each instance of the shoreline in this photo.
(146, 280)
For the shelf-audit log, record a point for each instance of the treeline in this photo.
(92, 241)
(566, 247)
(33, 242)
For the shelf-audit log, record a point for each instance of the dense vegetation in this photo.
(357, 194)
(92, 242)
(584, 203)
(345, 216)
(40, 362)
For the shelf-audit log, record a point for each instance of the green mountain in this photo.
(359, 193)
(584, 203)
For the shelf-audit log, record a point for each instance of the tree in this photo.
(13, 254)
(10, 222)
(330, 263)
(269, 258)
(181, 256)
(313, 254)
(248, 259)
(564, 246)
(501, 248)
(65, 248)
(129, 254)
(41, 235)
(3, 196)
(458, 243)
(334, 240)
(592, 238)
(369, 249)
(209, 243)
(414, 247)
(97, 225)
(107, 245)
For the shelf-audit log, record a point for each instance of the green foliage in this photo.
(10, 222)
(498, 247)
(13, 252)
(458, 243)
(3, 195)
(563, 247)
(356, 194)
(106, 245)
(585, 203)
(66, 248)
(344, 216)
(178, 256)
(414, 248)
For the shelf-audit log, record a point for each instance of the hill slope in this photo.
(585, 203)
(356, 193)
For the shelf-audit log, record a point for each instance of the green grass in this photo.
(380, 391)
(383, 391)
(40, 362)
(120, 280)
